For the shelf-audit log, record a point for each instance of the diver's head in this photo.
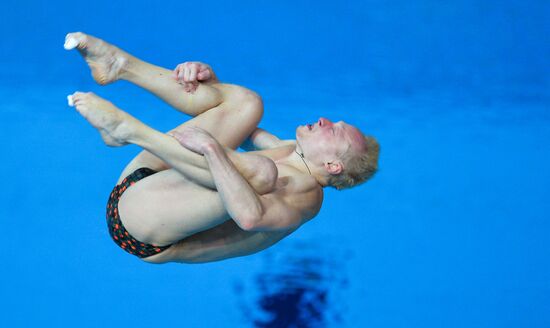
(340, 154)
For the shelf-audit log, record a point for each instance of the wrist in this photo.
(211, 148)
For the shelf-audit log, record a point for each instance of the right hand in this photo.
(189, 74)
(195, 139)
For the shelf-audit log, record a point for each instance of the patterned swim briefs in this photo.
(116, 229)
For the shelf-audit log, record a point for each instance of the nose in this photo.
(323, 121)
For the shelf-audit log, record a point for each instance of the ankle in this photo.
(127, 69)
(134, 131)
(133, 70)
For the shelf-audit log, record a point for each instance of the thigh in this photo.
(166, 207)
(230, 123)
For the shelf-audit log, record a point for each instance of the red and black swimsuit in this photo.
(116, 229)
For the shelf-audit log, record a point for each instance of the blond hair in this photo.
(358, 166)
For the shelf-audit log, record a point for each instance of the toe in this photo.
(74, 40)
(70, 43)
(78, 95)
(79, 98)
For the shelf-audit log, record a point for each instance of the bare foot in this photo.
(114, 125)
(106, 61)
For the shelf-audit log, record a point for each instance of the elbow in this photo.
(248, 225)
(249, 221)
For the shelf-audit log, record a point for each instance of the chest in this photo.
(299, 191)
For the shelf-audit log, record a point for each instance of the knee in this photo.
(249, 102)
(253, 105)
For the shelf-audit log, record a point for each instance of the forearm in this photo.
(241, 201)
(188, 163)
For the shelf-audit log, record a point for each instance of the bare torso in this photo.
(155, 205)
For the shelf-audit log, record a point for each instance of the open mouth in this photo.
(309, 127)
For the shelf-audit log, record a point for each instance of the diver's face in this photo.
(325, 141)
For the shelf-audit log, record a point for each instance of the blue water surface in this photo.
(452, 232)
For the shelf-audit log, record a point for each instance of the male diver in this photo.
(189, 196)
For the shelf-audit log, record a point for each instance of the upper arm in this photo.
(259, 171)
(261, 139)
(278, 214)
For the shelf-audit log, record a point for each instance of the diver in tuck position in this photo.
(189, 196)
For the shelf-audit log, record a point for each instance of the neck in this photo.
(302, 163)
(303, 160)
(296, 159)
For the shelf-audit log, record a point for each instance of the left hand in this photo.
(189, 74)
(195, 139)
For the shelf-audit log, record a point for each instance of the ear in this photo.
(334, 168)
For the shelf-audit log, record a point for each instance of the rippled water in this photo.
(296, 288)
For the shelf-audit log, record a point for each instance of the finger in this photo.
(203, 75)
(192, 86)
(180, 67)
(186, 73)
(188, 130)
(175, 72)
(180, 76)
(193, 73)
(195, 86)
(188, 87)
(178, 136)
(195, 129)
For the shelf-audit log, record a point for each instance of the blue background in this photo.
(452, 232)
